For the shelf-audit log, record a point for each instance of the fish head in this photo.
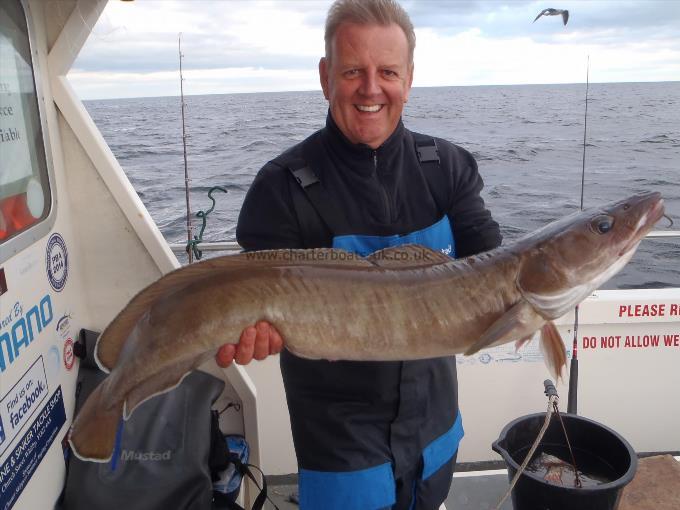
(565, 261)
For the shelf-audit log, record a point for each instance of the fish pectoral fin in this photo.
(520, 321)
(553, 350)
(407, 255)
(157, 384)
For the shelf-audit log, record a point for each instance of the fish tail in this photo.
(93, 433)
(553, 350)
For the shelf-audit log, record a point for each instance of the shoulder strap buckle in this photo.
(305, 176)
(312, 202)
(427, 151)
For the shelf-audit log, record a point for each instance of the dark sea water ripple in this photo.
(528, 141)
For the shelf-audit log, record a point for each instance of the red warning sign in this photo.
(650, 310)
(631, 341)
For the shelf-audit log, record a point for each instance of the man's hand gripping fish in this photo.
(398, 304)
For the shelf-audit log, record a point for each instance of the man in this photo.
(368, 435)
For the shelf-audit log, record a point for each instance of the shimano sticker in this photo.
(20, 327)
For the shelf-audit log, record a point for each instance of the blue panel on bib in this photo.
(442, 449)
(438, 236)
(367, 489)
(320, 488)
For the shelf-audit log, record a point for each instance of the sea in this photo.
(528, 141)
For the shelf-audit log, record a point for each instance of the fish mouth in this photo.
(654, 205)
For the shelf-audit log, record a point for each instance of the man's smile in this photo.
(369, 108)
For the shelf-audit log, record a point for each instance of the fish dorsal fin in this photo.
(320, 257)
(407, 256)
(279, 258)
(519, 321)
(113, 338)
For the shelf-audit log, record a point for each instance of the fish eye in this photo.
(602, 224)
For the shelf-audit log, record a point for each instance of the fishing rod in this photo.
(572, 398)
(184, 143)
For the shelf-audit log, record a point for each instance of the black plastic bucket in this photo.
(596, 447)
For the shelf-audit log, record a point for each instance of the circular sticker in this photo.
(69, 357)
(56, 261)
(64, 326)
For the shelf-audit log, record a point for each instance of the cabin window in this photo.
(25, 198)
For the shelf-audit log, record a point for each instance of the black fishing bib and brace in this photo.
(395, 446)
(370, 435)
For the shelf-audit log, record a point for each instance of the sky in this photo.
(234, 46)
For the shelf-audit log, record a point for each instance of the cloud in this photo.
(515, 18)
(540, 63)
(258, 45)
(143, 35)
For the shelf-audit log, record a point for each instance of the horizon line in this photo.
(414, 87)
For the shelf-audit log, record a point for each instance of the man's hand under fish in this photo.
(405, 303)
(256, 342)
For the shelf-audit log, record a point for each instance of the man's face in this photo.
(367, 80)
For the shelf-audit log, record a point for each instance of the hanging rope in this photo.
(192, 246)
(552, 403)
(553, 408)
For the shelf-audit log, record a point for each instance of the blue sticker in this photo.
(22, 401)
(56, 262)
(22, 462)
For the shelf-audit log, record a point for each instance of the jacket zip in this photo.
(386, 198)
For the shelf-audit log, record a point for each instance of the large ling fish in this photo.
(398, 304)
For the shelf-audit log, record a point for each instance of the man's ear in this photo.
(323, 76)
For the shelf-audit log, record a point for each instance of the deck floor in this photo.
(469, 491)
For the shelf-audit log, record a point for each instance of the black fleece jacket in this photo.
(381, 192)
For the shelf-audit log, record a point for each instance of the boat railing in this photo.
(234, 247)
(226, 246)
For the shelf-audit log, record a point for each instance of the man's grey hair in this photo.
(368, 12)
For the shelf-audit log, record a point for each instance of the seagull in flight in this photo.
(554, 12)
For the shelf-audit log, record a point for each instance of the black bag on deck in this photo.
(163, 461)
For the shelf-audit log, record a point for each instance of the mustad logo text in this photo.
(127, 455)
